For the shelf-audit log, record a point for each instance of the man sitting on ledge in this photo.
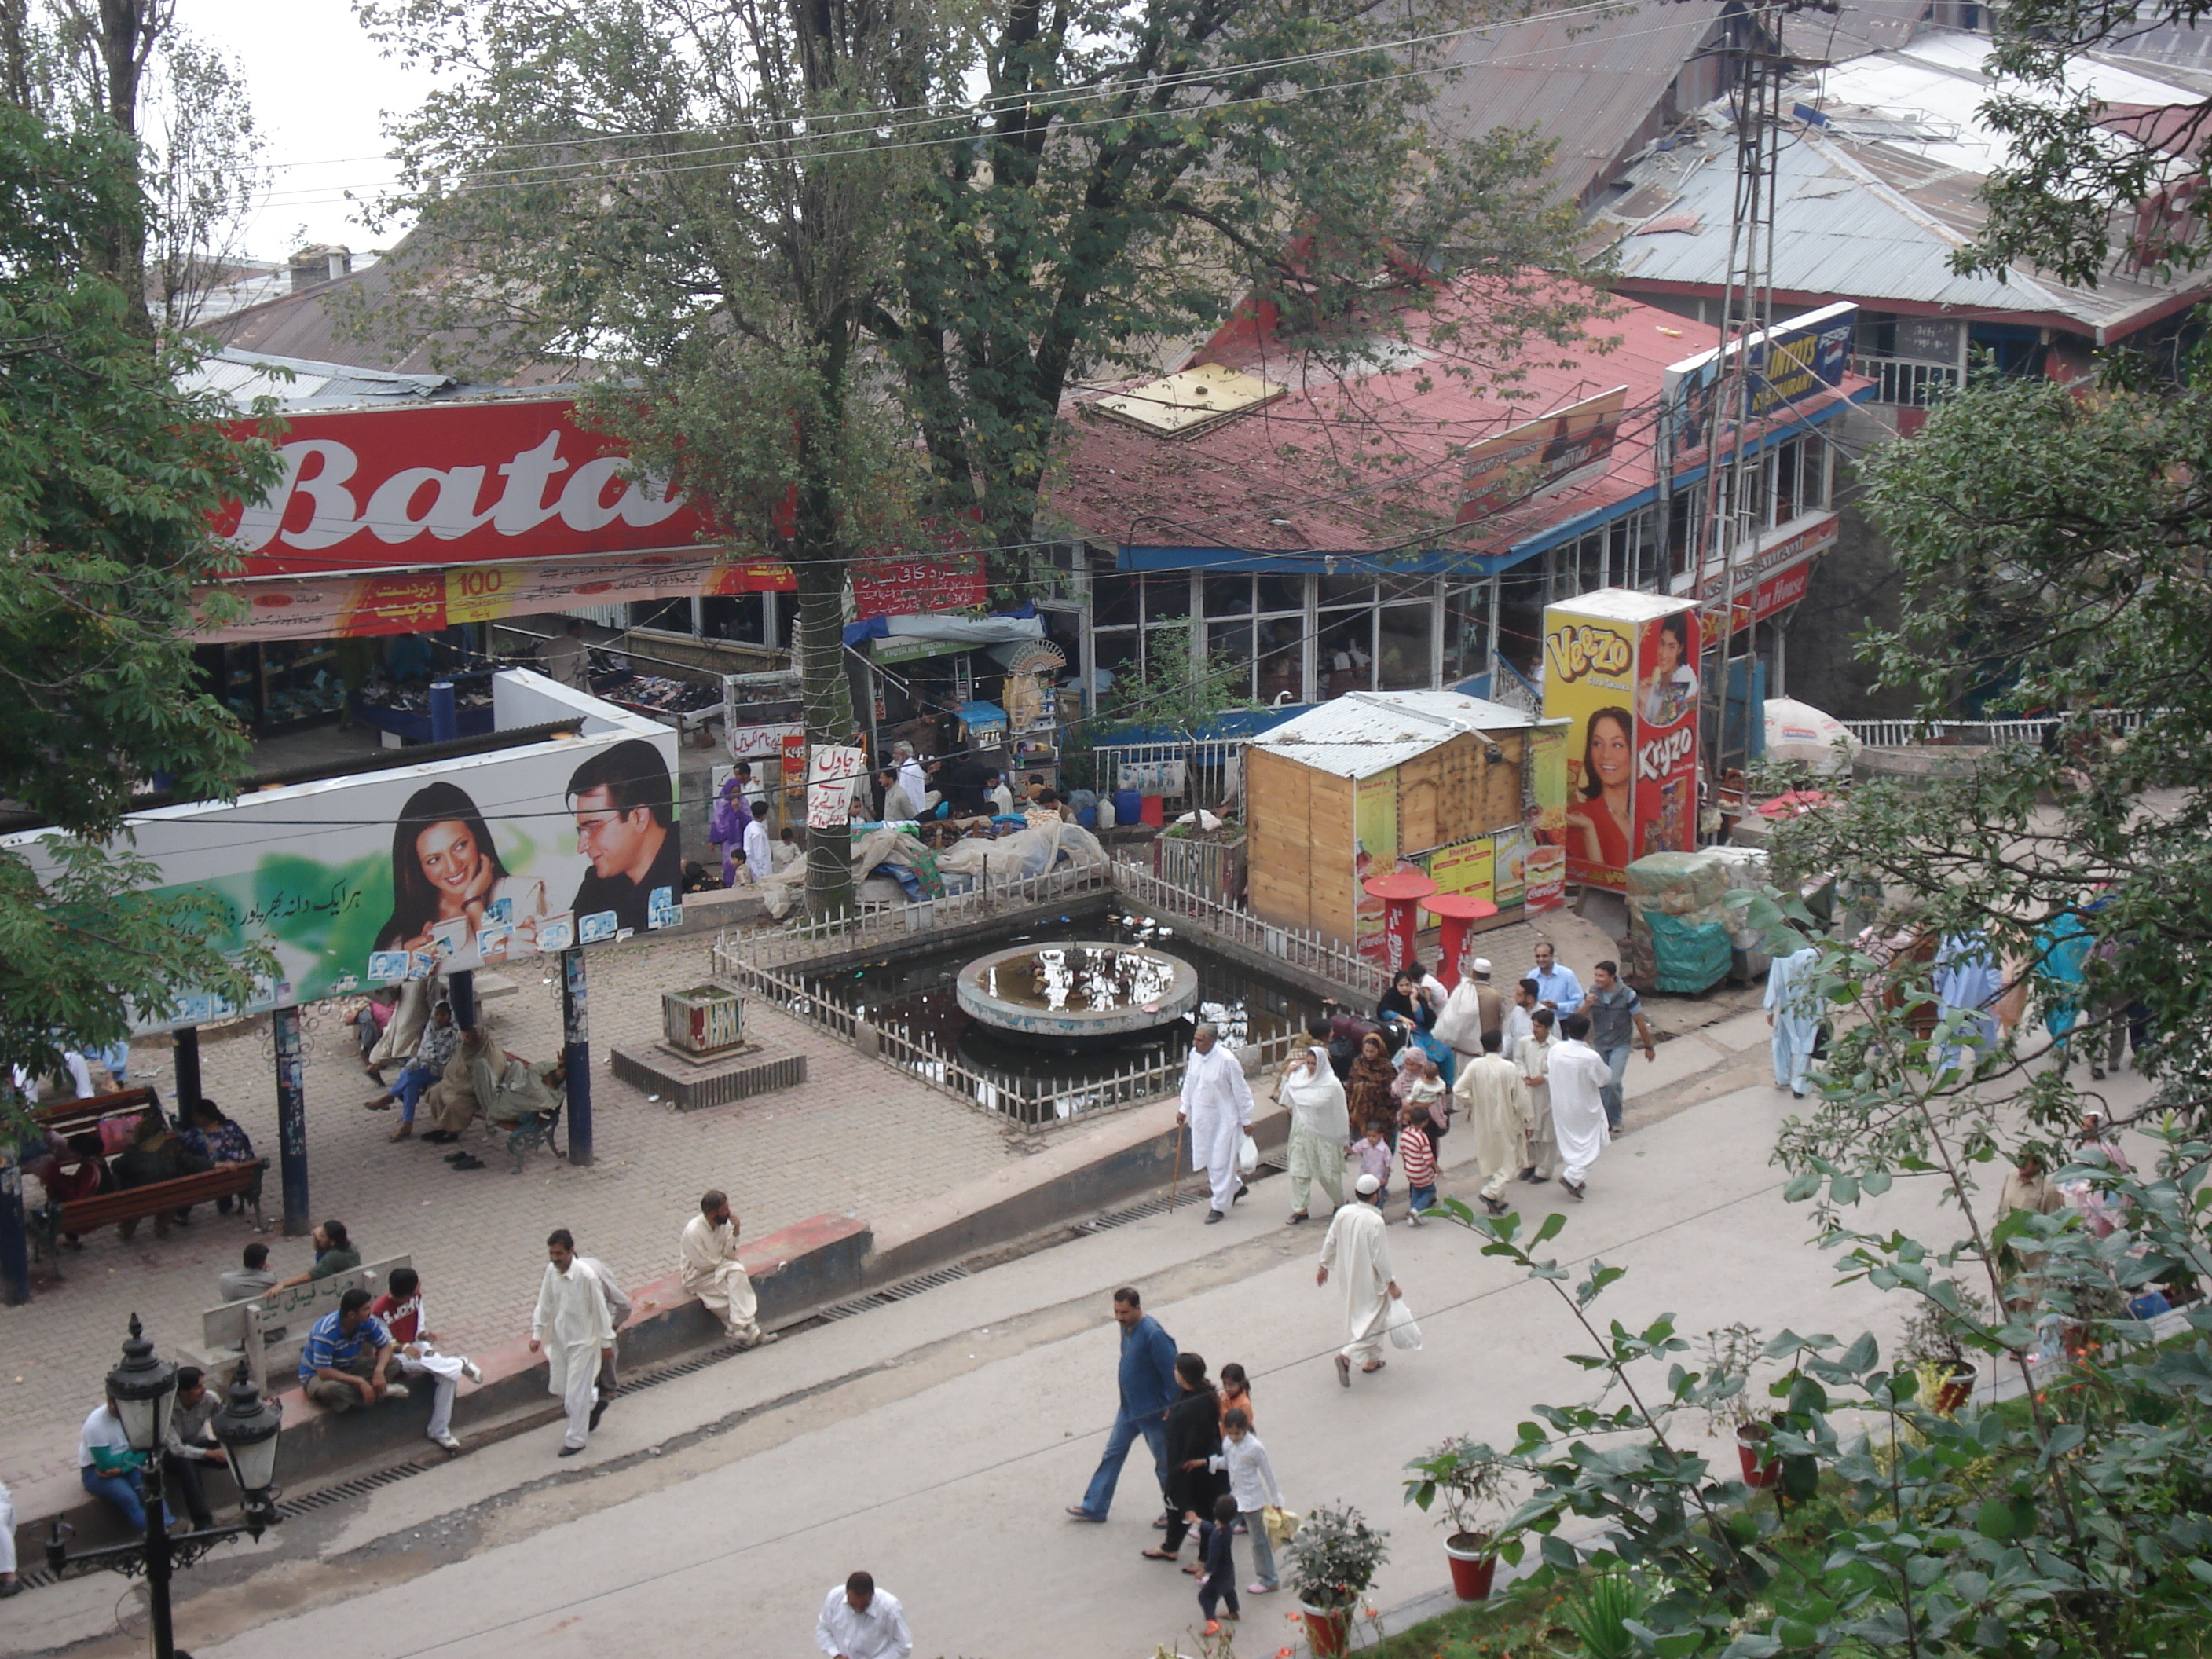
(348, 1352)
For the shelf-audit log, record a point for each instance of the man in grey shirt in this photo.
(189, 1447)
(246, 1282)
(1614, 1009)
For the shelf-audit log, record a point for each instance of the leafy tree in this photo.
(108, 475)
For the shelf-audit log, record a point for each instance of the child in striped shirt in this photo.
(1418, 1156)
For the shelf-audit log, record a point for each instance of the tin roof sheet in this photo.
(1363, 732)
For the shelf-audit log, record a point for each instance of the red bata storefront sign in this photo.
(404, 521)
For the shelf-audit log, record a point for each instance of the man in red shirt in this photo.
(400, 1309)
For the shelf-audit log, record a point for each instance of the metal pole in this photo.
(576, 1055)
(14, 1244)
(292, 1121)
(157, 1557)
(184, 1062)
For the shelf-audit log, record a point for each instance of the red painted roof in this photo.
(1283, 477)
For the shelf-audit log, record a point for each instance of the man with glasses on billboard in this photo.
(625, 825)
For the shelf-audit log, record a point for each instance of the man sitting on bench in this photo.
(334, 1255)
(155, 1153)
(343, 1367)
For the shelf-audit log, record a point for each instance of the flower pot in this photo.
(1472, 1565)
(1956, 1389)
(1759, 1467)
(1328, 1629)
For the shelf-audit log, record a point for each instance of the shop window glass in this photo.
(1813, 480)
(1277, 593)
(1230, 646)
(1167, 594)
(1282, 666)
(1229, 596)
(1403, 660)
(1521, 595)
(1466, 630)
(1114, 601)
(734, 616)
(1340, 591)
(668, 615)
(1344, 656)
(1116, 650)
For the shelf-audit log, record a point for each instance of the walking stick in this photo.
(1175, 1180)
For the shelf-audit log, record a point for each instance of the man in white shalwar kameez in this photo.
(713, 1272)
(1217, 1103)
(1320, 1125)
(1535, 1061)
(572, 1326)
(1793, 1011)
(1497, 1104)
(1357, 1248)
(1577, 1073)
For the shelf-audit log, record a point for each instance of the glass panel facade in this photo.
(1403, 658)
(1466, 630)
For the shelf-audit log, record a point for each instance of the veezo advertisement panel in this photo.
(1622, 668)
(460, 864)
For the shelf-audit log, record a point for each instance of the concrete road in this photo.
(935, 1442)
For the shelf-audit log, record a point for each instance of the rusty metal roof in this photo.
(1857, 27)
(1599, 87)
(1363, 732)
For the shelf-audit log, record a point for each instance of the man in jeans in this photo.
(189, 1447)
(1615, 1009)
(343, 1367)
(1148, 1386)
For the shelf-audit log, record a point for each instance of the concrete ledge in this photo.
(1127, 1156)
(691, 1086)
(795, 1271)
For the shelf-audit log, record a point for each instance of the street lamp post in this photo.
(143, 1388)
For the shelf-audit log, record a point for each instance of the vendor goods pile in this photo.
(1679, 919)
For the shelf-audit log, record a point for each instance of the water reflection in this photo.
(1099, 979)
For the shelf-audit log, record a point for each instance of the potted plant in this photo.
(1334, 1557)
(1730, 1354)
(1934, 1350)
(1467, 1478)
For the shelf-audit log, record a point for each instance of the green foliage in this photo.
(108, 477)
(1470, 1480)
(1603, 1617)
(1334, 1556)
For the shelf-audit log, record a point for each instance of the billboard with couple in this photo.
(465, 863)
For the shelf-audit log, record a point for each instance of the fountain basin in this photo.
(1076, 991)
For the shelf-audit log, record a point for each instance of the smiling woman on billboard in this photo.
(1598, 824)
(447, 881)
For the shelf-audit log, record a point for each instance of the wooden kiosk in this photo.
(1471, 794)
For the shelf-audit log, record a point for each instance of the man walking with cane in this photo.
(1216, 1104)
(1147, 1380)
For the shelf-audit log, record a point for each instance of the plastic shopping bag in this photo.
(1282, 1525)
(1404, 1332)
(1247, 1155)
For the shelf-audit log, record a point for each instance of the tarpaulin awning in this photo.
(957, 633)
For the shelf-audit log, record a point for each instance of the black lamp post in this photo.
(143, 1390)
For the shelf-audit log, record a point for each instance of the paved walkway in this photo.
(857, 1139)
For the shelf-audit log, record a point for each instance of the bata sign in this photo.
(510, 481)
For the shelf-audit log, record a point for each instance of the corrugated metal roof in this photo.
(1863, 26)
(1597, 86)
(1874, 201)
(1363, 732)
(301, 383)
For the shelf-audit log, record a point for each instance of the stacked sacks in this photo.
(1747, 872)
(1677, 910)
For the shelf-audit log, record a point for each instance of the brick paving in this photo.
(856, 1138)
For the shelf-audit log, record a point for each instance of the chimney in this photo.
(312, 267)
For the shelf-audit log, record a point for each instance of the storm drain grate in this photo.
(891, 1293)
(1192, 1193)
(307, 1503)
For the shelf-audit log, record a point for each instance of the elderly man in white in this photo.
(572, 1325)
(1217, 1103)
(860, 1622)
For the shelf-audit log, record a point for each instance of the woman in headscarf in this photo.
(1367, 1090)
(1407, 1015)
(725, 826)
(1321, 1123)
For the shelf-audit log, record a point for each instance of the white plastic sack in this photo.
(1247, 1155)
(1459, 1025)
(1404, 1332)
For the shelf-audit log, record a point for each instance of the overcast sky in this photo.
(320, 91)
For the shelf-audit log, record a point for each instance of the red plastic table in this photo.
(1402, 892)
(1456, 910)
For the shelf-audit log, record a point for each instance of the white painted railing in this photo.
(1300, 947)
(1032, 1102)
(1204, 760)
(1899, 734)
(804, 938)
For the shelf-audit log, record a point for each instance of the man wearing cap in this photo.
(1359, 1249)
(1488, 997)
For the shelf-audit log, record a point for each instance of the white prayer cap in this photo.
(1367, 1185)
(1480, 965)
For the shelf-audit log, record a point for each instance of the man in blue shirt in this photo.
(1148, 1387)
(343, 1367)
(1557, 987)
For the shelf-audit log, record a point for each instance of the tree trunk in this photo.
(818, 643)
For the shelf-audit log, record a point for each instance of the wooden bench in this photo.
(271, 1329)
(51, 1221)
(67, 1116)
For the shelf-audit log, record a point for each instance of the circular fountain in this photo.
(1076, 992)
